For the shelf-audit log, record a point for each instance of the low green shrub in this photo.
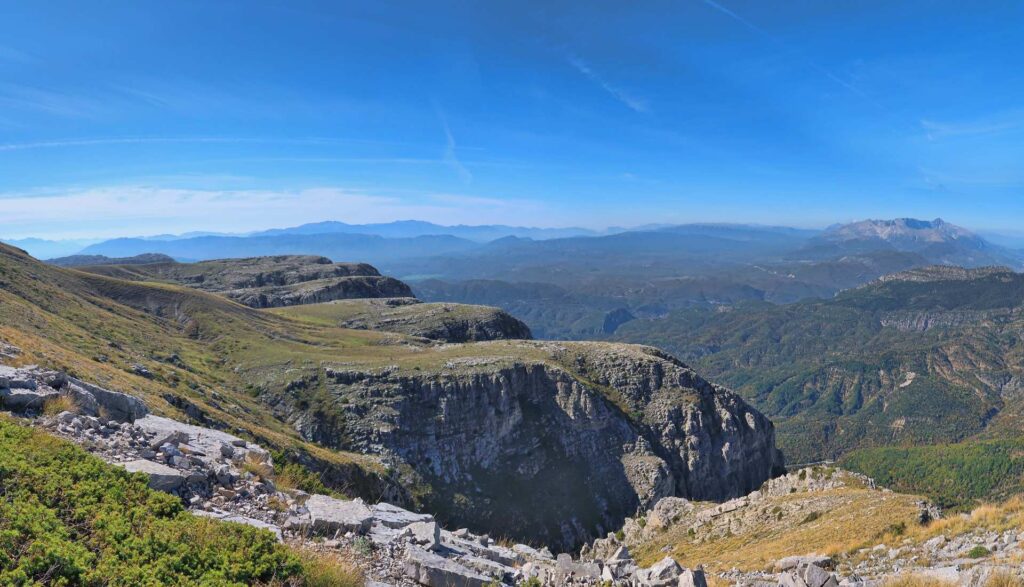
(978, 552)
(68, 518)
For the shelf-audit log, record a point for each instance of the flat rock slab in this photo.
(161, 477)
(427, 568)
(18, 400)
(16, 378)
(207, 440)
(226, 517)
(119, 406)
(393, 516)
(327, 515)
(471, 545)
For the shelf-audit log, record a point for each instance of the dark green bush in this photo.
(978, 552)
(67, 518)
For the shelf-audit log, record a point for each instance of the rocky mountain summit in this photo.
(267, 282)
(898, 230)
(932, 241)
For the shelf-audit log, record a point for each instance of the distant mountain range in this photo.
(577, 283)
(48, 249)
(415, 228)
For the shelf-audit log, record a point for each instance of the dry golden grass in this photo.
(323, 569)
(257, 467)
(849, 519)
(1005, 579)
(59, 404)
(916, 581)
(996, 517)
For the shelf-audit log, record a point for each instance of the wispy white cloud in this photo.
(775, 40)
(113, 141)
(131, 210)
(483, 202)
(990, 125)
(66, 105)
(630, 101)
(101, 141)
(451, 156)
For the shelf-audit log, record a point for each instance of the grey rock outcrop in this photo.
(29, 388)
(321, 290)
(555, 451)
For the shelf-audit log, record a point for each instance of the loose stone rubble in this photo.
(222, 476)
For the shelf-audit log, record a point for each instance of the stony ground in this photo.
(220, 475)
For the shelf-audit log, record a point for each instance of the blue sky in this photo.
(127, 118)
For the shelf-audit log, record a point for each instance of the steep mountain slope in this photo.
(927, 356)
(504, 436)
(266, 282)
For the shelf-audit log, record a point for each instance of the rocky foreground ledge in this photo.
(223, 476)
(220, 475)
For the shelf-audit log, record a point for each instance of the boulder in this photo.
(814, 576)
(791, 580)
(118, 406)
(692, 578)
(328, 516)
(395, 517)
(161, 477)
(531, 553)
(620, 555)
(426, 534)
(23, 399)
(661, 574)
(15, 378)
(427, 568)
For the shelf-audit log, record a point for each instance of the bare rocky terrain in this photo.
(220, 475)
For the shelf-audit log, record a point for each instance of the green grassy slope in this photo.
(97, 328)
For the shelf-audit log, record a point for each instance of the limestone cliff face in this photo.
(321, 290)
(555, 448)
